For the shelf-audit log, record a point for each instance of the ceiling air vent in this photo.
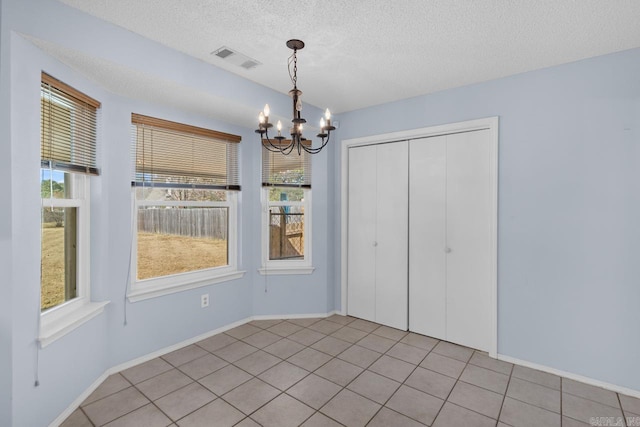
(249, 64)
(223, 53)
(236, 58)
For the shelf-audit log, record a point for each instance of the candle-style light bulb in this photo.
(261, 118)
(322, 124)
(267, 110)
(279, 126)
(327, 114)
(300, 128)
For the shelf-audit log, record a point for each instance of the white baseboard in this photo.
(292, 316)
(126, 365)
(571, 376)
(76, 403)
(131, 363)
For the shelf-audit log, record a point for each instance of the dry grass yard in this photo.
(52, 266)
(158, 255)
(163, 254)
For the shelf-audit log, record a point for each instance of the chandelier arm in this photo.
(271, 146)
(325, 142)
(311, 150)
(287, 150)
(316, 150)
(273, 150)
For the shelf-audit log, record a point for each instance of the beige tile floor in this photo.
(341, 371)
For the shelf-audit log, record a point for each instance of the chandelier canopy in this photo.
(297, 142)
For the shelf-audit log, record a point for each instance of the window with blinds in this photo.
(291, 170)
(174, 155)
(68, 146)
(67, 128)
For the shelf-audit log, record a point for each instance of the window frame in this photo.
(57, 321)
(164, 285)
(286, 266)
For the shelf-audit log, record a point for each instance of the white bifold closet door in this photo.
(450, 241)
(378, 234)
(428, 239)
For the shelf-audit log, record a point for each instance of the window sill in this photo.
(53, 330)
(153, 289)
(270, 271)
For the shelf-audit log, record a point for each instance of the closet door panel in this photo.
(427, 239)
(362, 231)
(468, 236)
(392, 235)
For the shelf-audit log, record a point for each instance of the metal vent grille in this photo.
(223, 53)
(249, 64)
(234, 57)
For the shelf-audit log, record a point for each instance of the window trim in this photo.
(57, 321)
(140, 290)
(290, 266)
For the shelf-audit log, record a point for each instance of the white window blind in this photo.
(67, 128)
(290, 170)
(169, 154)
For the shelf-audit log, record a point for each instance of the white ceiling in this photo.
(366, 52)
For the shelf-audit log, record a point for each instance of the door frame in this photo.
(489, 123)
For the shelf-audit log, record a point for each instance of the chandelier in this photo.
(297, 141)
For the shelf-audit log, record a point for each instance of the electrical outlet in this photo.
(204, 300)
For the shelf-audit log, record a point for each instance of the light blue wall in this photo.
(70, 365)
(301, 294)
(67, 366)
(569, 203)
(5, 226)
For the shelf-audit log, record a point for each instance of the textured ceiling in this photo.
(362, 53)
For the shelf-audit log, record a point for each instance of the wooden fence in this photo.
(194, 222)
(286, 242)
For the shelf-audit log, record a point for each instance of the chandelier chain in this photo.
(295, 69)
(297, 142)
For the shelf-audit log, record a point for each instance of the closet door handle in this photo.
(447, 250)
(375, 244)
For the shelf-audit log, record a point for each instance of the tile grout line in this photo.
(624, 413)
(151, 401)
(401, 384)
(178, 389)
(459, 380)
(363, 369)
(281, 392)
(504, 398)
(392, 394)
(454, 384)
(86, 415)
(252, 376)
(198, 382)
(561, 401)
(504, 395)
(131, 385)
